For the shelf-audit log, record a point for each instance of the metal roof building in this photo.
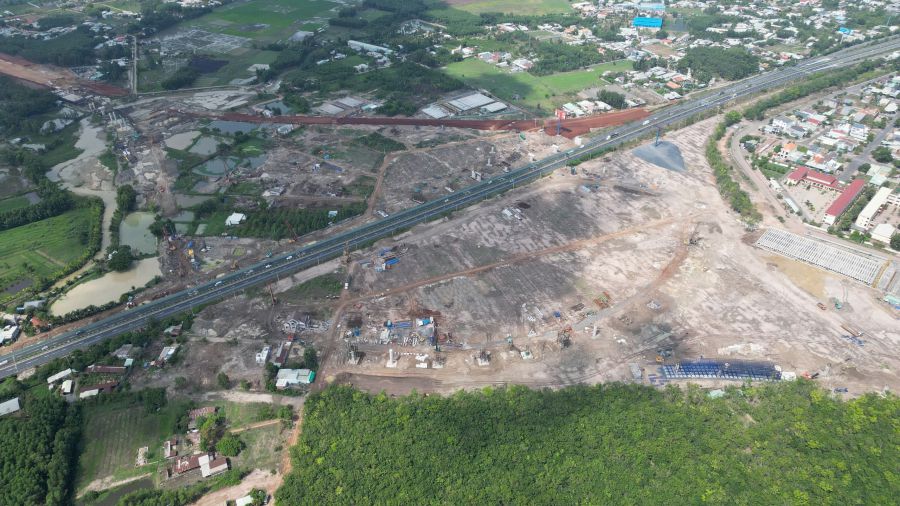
(642, 22)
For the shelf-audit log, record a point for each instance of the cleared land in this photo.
(533, 92)
(42, 248)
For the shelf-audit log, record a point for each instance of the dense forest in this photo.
(39, 452)
(71, 49)
(789, 443)
(21, 107)
(707, 62)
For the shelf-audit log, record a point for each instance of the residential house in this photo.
(210, 466)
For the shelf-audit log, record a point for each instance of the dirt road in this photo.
(263, 480)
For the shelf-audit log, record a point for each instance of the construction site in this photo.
(619, 270)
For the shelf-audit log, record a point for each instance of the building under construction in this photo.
(720, 369)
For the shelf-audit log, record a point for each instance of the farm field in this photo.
(42, 248)
(522, 7)
(113, 434)
(266, 19)
(534, 92)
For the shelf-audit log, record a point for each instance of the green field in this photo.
(534, 92)
(114, 432)
(282, 17)
(42, 248)
(263, 448)
(17, 202)
(521, 7)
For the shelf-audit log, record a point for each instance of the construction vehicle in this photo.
(564, 336)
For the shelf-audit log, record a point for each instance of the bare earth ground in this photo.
(720, 298)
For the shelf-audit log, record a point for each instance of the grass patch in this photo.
(246, 19)
(16, 202)
(318, 288)
(114, 432)
(261, 451)
(240, 414)
(520, 7)
(109, 160)
(379, 142)
(247, 188)
(43, 248)
(532, 92)
(363, 186)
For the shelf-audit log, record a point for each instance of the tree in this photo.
(121, 259)
(662, 34)
(180, 382)
(126, 198)
(865, 167)
(223, 381)
(258, 496)
(310, 359)
(882, 154)
(732, 117)
(895, 241)
(230, 445)
(615, 100)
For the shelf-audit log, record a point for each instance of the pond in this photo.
(205, 146)
(107, 288)
(217, 166)
(183, 140)
(230, 127)
(135, 232)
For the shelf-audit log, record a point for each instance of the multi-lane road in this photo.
(315, 253)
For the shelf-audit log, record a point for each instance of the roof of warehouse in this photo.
(471, 101)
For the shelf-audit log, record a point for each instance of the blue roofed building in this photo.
(642, 22)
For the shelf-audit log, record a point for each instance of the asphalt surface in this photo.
(315, 253)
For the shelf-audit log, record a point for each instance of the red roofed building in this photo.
(840, 204)
(813, 178)
(186, 463)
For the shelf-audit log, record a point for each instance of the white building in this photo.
(210, 466)
(263, 355)
(362, 46)
(884, 197)
(882, 233)
(290, 377)
(235, 219)
(10, 406)
(60, 375)
(8, 333)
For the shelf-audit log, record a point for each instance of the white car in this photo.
(291, 257)
(268, 265)
(646, 122)
(218, 283)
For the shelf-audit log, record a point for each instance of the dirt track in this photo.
(50, 76)
(569, 127)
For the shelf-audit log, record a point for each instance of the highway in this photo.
(315, 253)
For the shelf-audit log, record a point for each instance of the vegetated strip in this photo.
(779, 443)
